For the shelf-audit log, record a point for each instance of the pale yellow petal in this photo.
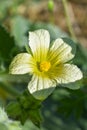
(21, 64)
(60, 52)
(41, 87)
(69, 73)
(39, 43)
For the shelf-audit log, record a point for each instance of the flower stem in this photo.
(68, 20)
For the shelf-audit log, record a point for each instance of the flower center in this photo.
(45, 66)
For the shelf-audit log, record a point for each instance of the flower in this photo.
(46, 63)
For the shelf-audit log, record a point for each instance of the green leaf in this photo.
(19, 30)
(25, 107)
(35, 117)
(13, 109)
(6, 43)
(27, 100)
(31, 108)
(73, 104)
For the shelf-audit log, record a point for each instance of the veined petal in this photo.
(21, 64)
(41, 87)
(39, 43)
(60, 52)
(69, 73)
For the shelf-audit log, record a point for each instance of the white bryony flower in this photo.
(47, 64)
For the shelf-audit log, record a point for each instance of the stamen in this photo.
(45, 66)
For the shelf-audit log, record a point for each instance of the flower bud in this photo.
(50, 5)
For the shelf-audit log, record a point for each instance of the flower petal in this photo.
(60, 52)
(41, 87)
(39, 43)
(21, 64)
(69, 73)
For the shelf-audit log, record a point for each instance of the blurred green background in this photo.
(66, 108)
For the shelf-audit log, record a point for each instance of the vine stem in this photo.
(65, 4)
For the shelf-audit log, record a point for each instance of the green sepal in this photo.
(25, 107)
